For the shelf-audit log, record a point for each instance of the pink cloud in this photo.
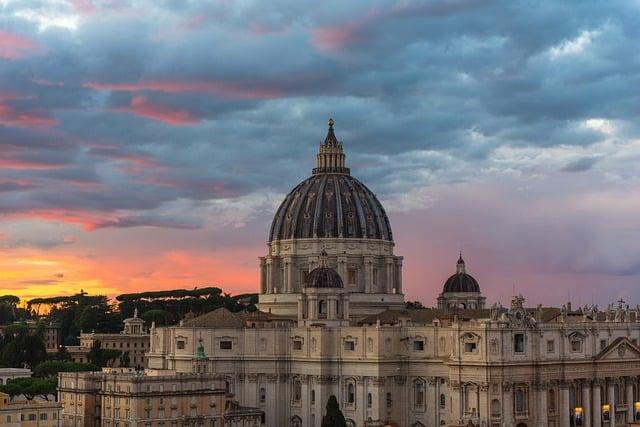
(14, 46)
(140, 106)
(229, 89)
(11, 116)
(84, 7)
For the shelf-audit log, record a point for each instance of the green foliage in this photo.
(102, 357)
(79, 313)
(8, 309)
(159, 316)
(179, 302)
(21, 348)
(50, 368)
(30, 387)
(125, 360)
(413, 305)
(334, 416)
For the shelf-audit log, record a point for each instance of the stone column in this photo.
(564, 405)
(269, 276)
(300, 307)
(389, 265)
(312, 307)
(399, 276)
(586, 404)
(288, 276)
(611, 392)
(596, 405)
(345, 306)
(431, 396)
(332, 303)
(263, 276)
(507, 405)
(456, 401)
(541, 408)
(342, 269)
(629, 399)
(483, 404)
(368, 274)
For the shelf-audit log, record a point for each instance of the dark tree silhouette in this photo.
(334, 417)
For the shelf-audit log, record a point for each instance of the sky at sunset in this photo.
(147, 144)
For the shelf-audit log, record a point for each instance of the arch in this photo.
(296, 421)
(417, 424)
(419, 386)
(322, 307)
(551, 400)
(351, 393)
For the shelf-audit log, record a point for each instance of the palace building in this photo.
(333, 321)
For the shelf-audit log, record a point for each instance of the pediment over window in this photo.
(469, 337)
(619, 349)
(577, 335)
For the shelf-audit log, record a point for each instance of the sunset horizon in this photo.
(149, 146)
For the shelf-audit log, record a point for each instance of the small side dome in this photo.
(461, 281)
(324, 276)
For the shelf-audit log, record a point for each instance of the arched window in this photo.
(262, 395)
(495, 408)
(389, 401)
(521, 405)
(369, 400)
(313, 397)
(551, 400)
(418, 393)
(443, 401)
(351, 393)
(297, 391)
(322, 307)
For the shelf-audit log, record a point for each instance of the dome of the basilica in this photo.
(324, 276)
(330, 203)
(461, 281)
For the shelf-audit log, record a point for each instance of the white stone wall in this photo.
(386, 359)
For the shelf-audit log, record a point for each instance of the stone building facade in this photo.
(133, 339)
(121, 397)
(332, 322)
(33, 413)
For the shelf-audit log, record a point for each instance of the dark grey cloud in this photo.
(423, 92)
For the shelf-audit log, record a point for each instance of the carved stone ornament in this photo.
(622, 349)
(400, 380)
(272, 378)
(253, 378)
(506, 386)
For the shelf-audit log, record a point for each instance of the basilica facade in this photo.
(332, 321)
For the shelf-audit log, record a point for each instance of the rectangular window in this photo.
(351, 275)
(518, 343)
(550, 346)
(349, 345)
(43, 416)
(419, 391)
(297, 344)
(576, 346)
(181, 344)
(469, 347)
(418, 345)
(226, 345)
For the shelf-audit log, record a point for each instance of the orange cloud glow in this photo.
(30, 273)
(140, 106)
